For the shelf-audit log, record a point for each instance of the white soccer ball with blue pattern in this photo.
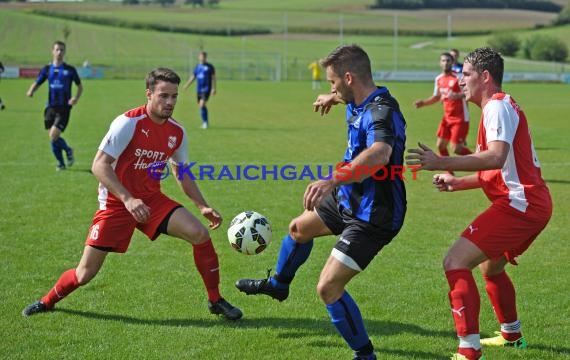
(249, 233)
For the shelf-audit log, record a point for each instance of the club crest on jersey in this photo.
(171, 142)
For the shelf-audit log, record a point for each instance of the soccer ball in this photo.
(249, 233)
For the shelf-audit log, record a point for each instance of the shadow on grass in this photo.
(557, 181)
(233, 128)
(305, 327)
(290, 328)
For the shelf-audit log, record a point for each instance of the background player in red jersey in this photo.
(509, 173)
(141, 139)
(454, 125)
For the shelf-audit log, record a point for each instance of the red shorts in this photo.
(498, 232)
(455, 132)
(113, 228)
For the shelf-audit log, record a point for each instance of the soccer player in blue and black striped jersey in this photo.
(205, 74)
(366, 210)
(60, 76)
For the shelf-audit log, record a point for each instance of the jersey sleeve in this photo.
(42, 76)
(181, 154)
(118, 137)
(379, 128)
(500, 121)
(435, 87)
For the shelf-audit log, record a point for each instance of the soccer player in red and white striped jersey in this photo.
(508, 171)
(129, 165)
(454, 124)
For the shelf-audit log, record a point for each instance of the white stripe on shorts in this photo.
(345, 259)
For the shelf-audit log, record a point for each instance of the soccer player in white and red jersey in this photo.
(454, 124)
(508, 171)
(138, 145)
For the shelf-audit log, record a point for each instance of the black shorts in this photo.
(57, 116)
(203, 96)
(359, 241)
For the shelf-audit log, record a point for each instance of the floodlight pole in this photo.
(341, 26)
(395, 42)
(285, 45)
(448, 26)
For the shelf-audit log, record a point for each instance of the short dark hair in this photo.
(487, 59)
(349, 58)
(446, 54)
(161, 74)
(58, 42)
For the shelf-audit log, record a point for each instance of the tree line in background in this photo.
(194, 3)
(537, 47)
(536, 5)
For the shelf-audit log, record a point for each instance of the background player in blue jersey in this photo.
(456, 67)
(60, 100)
(367, 213)
(2, 106)
(205, 74)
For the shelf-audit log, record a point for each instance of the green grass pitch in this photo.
(150, 302)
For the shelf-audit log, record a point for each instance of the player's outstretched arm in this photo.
(449, 183)
(425, 102)
(190, 188)
(325, 102)
(32, 89)
(492, 158)
(189, 82)
(104, 172)
(378, 154)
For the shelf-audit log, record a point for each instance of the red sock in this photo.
(464, 151)
(66, 283)
(206, 261)
(503, 298)
(470, 353)
(464, 300)
(443, 152)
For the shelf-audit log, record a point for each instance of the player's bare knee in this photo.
(84, 275)
(295, 231)
(447, 263)
(199, 235)
(323, 291)
(327, 292)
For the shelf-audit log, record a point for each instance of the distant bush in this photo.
(506, 43)
(536, 5)
(563, 17)
(546, 48)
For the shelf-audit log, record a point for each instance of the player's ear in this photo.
(486, 76)
(348, 77)
(148, 93)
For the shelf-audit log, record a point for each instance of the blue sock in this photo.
(57, 152)
(346, 317)
(62, 144)
(291, 256)
(204, 114)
